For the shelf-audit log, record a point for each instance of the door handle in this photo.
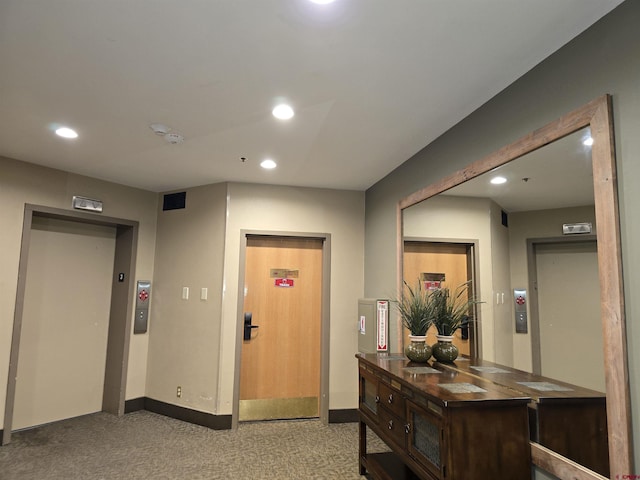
(247, 326)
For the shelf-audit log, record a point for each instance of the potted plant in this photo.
(453, 311)
(417, 310)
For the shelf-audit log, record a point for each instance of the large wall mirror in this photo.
(513, 238)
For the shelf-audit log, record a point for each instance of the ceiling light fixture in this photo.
(498, 180)
(587, 142)
(66, 132)
(268, 164)
(322, 2)
(283, 112)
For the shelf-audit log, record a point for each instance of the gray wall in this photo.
(604, 59)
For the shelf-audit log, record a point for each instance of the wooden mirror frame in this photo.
(597, 115)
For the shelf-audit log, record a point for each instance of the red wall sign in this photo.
(284, 282)
(432, 285)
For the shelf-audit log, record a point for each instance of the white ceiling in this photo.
(372, 82)
(558, 175)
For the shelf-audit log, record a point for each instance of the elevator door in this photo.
(569, 313)
(280, 365)
(451, 259)
(61, 363)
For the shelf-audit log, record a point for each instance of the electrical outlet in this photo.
(179, 392)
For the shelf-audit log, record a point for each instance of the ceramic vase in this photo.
(445, 351)
(418, 350)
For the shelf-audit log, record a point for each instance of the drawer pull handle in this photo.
(390, 424)
(377, 398)
(407, 428)
(391, 398)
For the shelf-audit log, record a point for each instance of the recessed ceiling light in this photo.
(268, 164)
(587, 142)
(283, 112)
(498, 180)
(322, 2)
(66, 132)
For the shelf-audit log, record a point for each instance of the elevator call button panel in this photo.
(143, 295)
(520, 308)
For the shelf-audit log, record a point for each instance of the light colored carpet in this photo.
(143, 445)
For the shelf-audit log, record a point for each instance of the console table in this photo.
(439, 423)
(565, 418)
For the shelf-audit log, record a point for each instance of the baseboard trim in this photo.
(215, 422)
(345, 415)
(134, 405)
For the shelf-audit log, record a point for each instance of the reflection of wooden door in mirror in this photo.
(451, 259)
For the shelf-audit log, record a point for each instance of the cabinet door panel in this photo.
(425, 439)
(488, 441)
(369, 396)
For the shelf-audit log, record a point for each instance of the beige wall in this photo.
(193, 342)
(22, 183)
(300, 210)
(500, 298)
(185, 334)
(462, 218)
(604, 59)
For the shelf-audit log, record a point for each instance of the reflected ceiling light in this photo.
(498, 180)
(268, 164)
(66, 132)
(282, 111)
(587, 142)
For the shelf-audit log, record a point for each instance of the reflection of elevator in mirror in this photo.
(565, 312)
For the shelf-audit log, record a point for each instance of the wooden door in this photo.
(451, 259)
(280, 365)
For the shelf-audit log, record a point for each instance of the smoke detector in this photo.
(173, 138)
(159, 129)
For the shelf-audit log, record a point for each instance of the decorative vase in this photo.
(445, 351)
(418, 350)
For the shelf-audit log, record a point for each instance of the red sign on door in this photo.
(432, 285)
(284, 282)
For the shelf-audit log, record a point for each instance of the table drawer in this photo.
(393, 426)
(391, 399)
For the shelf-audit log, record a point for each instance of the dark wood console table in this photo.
(565, 418)
(440, 423)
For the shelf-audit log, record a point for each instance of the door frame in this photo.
(324, 317)
(473, 265)
(120, 312)
(532, 270)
